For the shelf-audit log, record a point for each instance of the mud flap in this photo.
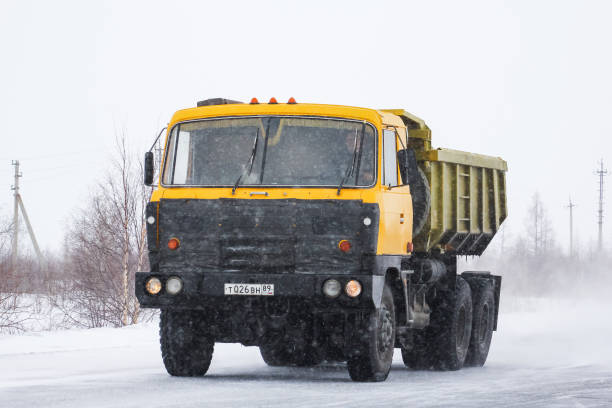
(495, 281)
(378, 285)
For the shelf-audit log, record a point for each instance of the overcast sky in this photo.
(528, 81)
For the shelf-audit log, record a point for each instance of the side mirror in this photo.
(408, 167)
(148, 168)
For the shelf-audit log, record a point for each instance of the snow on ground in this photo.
(545, 354)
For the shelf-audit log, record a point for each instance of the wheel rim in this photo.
(484, 324)
(385, 330)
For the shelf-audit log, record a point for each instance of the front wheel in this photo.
(376, 341)
(186, 346)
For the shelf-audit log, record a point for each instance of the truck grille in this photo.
(263, 236)
(272, 254)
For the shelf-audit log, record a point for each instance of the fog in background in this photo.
(527, 81)
(86, 86)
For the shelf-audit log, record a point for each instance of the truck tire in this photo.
(417, 357)
(376, 342)
(451, 328)
(186, 347)
(277, 351)
(279, 356)
(274, 357)
(309, 357)
(483, 315)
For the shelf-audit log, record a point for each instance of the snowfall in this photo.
(546, 353)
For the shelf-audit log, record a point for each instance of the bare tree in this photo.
(13, 310)
(106, 245)
(539, 227)
(139, 226)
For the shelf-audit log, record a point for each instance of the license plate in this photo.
(249, 289)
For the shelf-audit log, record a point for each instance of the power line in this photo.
(55, 155)
(70, 166)
(73, 165)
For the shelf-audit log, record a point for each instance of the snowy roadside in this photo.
(546, 353)
(40, 313)
(78, 339)
(544, 332)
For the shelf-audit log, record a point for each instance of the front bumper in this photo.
(201, 290)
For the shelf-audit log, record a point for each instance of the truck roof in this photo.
(376, 117)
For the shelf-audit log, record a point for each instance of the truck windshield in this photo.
(291, 151)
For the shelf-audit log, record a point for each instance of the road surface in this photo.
(553, 354)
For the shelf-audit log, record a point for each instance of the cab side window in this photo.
(389, 158)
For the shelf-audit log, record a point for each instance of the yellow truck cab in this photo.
(319, 233)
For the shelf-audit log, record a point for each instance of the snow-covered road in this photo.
(552, 354)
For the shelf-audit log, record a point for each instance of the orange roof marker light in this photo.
(291, 101)
(254, 101)
(272, 100)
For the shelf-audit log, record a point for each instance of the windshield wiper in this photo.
(351, 168)
(251, 161)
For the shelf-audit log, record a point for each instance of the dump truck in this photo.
(319, 233)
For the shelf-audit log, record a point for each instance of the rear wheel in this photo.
(274, 357)
(280, 349)
(417, 356)
(482, 322)
(186, 346)
(279, 354)
(452, 326)
(444, 344)
(376, 343)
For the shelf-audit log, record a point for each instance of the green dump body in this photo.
(468, 201)
(467, 194)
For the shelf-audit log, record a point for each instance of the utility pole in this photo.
(571, 220)
(15, 243)
(18, 205)
(601, 172)
(536, 226)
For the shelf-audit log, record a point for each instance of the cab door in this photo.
(396, 202)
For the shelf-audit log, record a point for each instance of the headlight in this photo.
(332, 288)
(153, 286)
(353, 288)
(174, 285)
